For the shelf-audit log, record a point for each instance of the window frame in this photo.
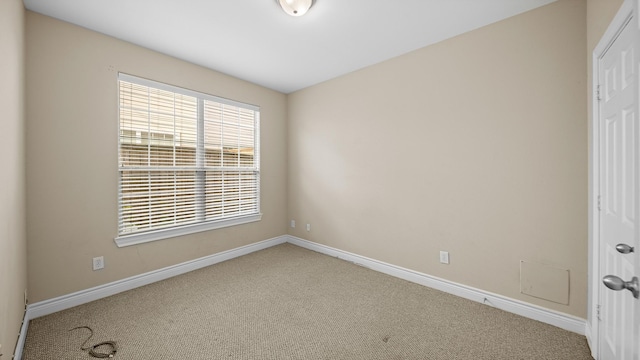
(127, 239)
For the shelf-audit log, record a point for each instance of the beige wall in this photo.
(72, 158)
(13, 241)
(476, 145)
(599, 16)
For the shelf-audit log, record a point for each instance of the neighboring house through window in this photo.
(187, 161)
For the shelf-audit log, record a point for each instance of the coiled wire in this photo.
(92, 349)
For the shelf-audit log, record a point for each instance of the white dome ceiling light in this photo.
(295, 7)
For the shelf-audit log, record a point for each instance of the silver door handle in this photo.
(617, 284)
(624, 248)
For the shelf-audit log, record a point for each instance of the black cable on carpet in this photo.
(92, 349)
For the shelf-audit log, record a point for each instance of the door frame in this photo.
(628, 9)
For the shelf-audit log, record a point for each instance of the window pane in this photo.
(157, 127)
(229, 136)
(229, 192)
(162, 184)
(153, 199)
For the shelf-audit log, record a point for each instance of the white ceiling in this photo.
(256, 41)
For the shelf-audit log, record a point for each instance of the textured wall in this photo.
(13, 241)
(476, 145)
(72, 169)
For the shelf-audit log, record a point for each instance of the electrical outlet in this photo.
(293, 223)
(308, 227)
(98, 263)
(444, 257)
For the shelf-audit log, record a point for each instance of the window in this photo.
(187, 161)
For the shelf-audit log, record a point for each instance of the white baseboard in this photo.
(68, 301)
(521, 308)
(22, 337)
(564, 321)
(84, 296)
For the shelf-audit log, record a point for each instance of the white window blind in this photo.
(185, 159)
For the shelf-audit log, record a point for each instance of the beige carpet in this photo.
(286, 302)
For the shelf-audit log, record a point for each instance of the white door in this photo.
(619, 135)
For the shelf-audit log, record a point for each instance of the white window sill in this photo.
(148, 236)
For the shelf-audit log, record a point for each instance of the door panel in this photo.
(618, 117)
(629, 151)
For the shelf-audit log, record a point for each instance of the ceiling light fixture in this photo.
(295, 7)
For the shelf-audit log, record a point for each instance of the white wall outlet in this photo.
(444, 257)
(293, 223)
(308, 227)
(98, 263)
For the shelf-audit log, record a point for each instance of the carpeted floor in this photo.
(286, 302)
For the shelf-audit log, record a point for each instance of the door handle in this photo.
(617, 284)
(624, 248)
